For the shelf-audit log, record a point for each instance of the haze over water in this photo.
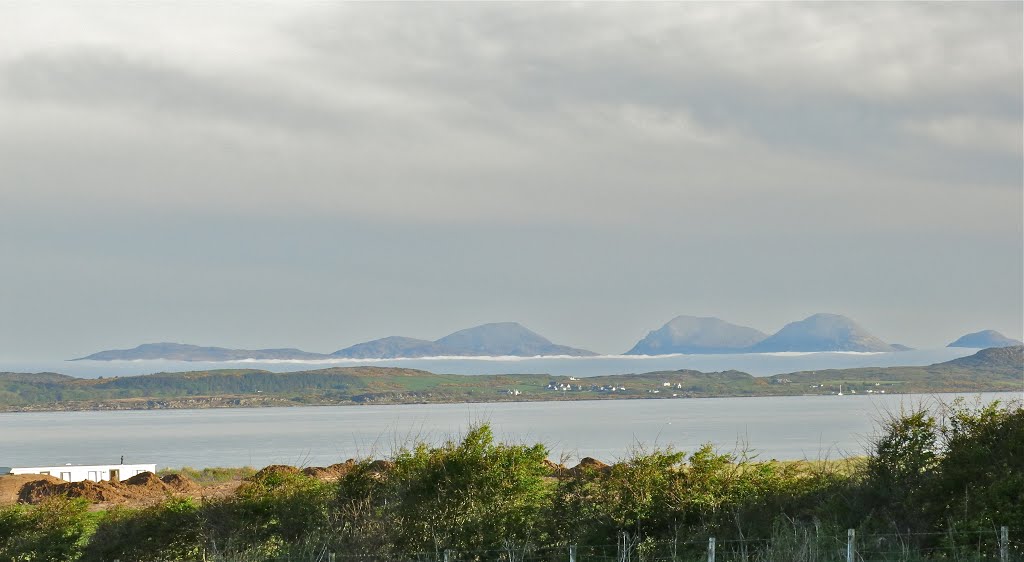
(758, 364)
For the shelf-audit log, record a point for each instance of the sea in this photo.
(811, 427)
(794, 427)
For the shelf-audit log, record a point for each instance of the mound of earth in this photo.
(11, 485)
(342, 468)
(274, 469)
(145, 479)
(182, 484)
(105, 492)
(329, 473)
(145, 487)
(589, 464)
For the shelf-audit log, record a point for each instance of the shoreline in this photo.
(990, 370)
(214, 401)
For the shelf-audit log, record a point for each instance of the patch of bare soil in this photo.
(219, 491)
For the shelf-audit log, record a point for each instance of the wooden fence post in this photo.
(1004, 544)
(711, 549)
(850, 536)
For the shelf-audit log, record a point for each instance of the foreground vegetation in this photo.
(936, 487)
(990, 370)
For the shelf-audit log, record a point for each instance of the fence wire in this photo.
(982, 546)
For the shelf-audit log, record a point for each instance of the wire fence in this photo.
(998, 545)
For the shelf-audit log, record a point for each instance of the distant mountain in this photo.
(691, 334)
(502, 338)
(1004, 359)
(393, 346)
(984, 339)
(900, 347)
(821, 332)
(185, 352)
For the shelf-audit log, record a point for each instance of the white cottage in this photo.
(78, 473)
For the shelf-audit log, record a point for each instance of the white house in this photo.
(78, 473)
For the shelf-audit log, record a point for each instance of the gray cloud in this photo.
(573, 161)
(151, 90)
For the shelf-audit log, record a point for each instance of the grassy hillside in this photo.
(987, 371)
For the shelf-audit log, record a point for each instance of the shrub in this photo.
(55, 530)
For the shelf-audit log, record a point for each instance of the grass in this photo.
(212, 475)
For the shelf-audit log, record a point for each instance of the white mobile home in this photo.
(78, 473)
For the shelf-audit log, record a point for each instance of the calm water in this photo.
(777, 427)
(758, 364)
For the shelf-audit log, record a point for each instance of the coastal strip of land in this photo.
(989, 370)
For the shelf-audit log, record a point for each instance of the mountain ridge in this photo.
(493, 339)
(822, 332)
(188, 352)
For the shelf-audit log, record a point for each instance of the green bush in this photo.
(171, 531)
(466, 496)
(56, 530)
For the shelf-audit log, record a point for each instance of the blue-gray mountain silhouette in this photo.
(692, 334)
(984, 339)
(821, 332)
(390, 347)
(186, 352)
(501, 338)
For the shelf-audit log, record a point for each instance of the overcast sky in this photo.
(315, 175)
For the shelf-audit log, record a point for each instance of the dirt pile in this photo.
(11, 485)
(274, 470)
(144, 488)
(589, 465)
(98, 492)
(329, 473)
(146, 480)
(182, 484)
